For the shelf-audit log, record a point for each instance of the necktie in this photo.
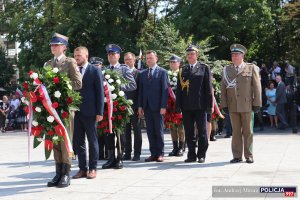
(191, 67)
(80, 69)
(112, 67)
(150, 74)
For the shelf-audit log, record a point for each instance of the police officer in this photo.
(177, 133)
(98, 62)
(240, 95)
(68, 65)
(194, 98)
(113, 55)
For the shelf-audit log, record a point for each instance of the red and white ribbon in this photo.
(109, 101)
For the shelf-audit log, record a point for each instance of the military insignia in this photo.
(183, 83)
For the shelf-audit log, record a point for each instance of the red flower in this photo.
(122, 108)
(113, 118)
(24, 93)
(64, 114)
(25, 85)
(115, 109)
(50, 132)
(26, 109)
(40, 98)
(115, 103)
(48, 145)
(30, 72)
(120, 117)
(69, 100)
(56, 80)
(54, 105)
(36, 131)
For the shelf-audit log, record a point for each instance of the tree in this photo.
(6, 70)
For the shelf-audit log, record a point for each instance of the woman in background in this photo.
(271, 97)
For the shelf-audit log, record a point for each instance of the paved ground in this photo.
(276, 154)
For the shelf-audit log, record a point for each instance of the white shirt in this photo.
(83, 68)
(59, 57)
(15, 103)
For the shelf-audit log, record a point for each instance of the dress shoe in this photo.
(249, 160)
(119, 164)
(227, 136)
(136, 158)
(80, 174)
(213, 138)
(160, 159)
(201, 160)
(65, 178)
(92, 174)
(188, 160)
(236, 160)
(150, 159)
(57, 176)
(127, 156)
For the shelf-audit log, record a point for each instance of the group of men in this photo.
(149, 91)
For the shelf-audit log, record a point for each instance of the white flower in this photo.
(26, 102)
(118, 81)
(69, 86)
(38, 109)
(175, 74)
(174, 79)
(173, 88)
(121, 93)
(107, 76)
(23, 99)
(105, 100)
(130, 101)
(114, 96)
(34, 123)
(39, 139)
(103, 72)
(171, 83)
(50, 119)
(112, 88)
(57, 94)
(55, 138)
(34, 83)
(34, 75)
(111, 80)
(55, 70)
(169, 72)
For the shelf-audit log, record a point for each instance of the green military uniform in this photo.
(241, 92)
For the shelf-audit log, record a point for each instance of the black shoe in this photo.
(175, 149)
(119, 164)
(249, 160)
(57, 177)
(111, 162)
(127, 156)
(65, 179)
(188, 160)
(236, 160)
(201, 160)
(227, 136)
(136, 158)
(213, 138)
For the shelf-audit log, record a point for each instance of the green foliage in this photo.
(6, 70)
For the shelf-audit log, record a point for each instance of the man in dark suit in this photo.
(152, 101)
(129, 59)
(90, 112)
(280, 102)
(194, 99)
(113, 56)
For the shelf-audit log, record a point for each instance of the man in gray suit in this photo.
(280, 102)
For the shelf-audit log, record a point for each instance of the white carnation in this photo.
(112, 88)
(50, 119)
(130, 101)
(121, 93)
(114, 96)
(103, 72)
(55, 70)
(34, 75)
(118, 81)
(175, 74)
(69, 86)
(34, 123)
(55, 138)
(111, 80)
(174, 79)
(107, 76)
(169, 72)
(26, 102)
(23, 99)
(38, 109)
(57, 94)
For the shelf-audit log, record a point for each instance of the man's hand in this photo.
(99, 118)
(163, 111)
(140, 112)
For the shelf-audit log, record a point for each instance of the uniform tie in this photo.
(112, 67)
(191, 67)
(150, 74)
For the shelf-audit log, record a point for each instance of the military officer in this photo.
(177, 133)
(68, 65)
(113, 55)
(194, 98)
(240, 95)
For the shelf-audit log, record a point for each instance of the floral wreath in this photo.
(117, 109)
(50, 98)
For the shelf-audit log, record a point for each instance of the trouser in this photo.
(137, 133)
(189, 119)
(228, 124)
(2, 120)
(242, 134)
(280, 113)
(85, 126)
(177, 134)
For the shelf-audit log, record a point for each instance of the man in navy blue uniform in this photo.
(90, 112)
(194, 99)
(152, 102)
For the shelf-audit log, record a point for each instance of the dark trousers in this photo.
(84, 125)
(2, 120)
(189, 119)
(137, 133)
(280, 113)
(101, 144)
(155, 128)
